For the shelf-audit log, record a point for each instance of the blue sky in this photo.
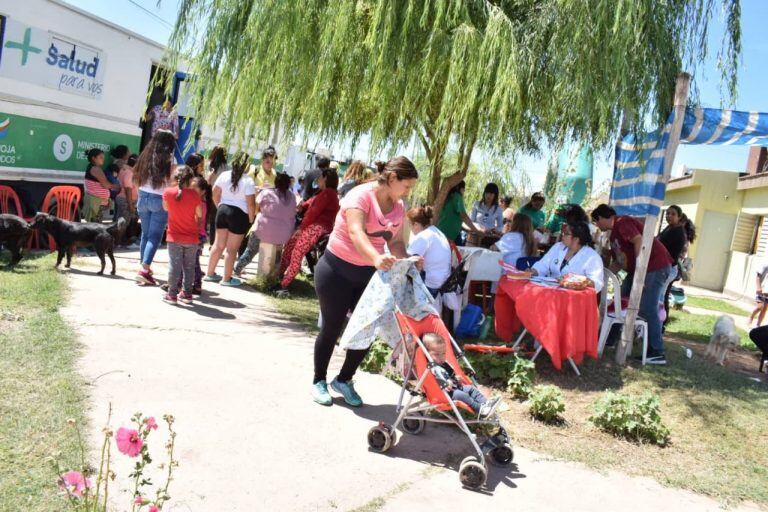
(753, 75)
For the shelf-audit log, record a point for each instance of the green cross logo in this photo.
(25, 46)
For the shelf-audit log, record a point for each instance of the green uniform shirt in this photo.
(450, 217)
(538, 217)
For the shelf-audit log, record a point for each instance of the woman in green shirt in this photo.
(453, 214)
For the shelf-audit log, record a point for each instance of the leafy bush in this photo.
(520, 381)
(491, 368)
(547, 403)
(377, 358)
(636, 418)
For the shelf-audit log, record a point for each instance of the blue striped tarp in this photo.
(638, 187)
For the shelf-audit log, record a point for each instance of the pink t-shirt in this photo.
(125, 178)
(380, 228)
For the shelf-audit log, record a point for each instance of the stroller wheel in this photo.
(472, 473)
(502, 455)
(413, 426)
(381, 438)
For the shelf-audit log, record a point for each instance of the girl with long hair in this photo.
(518, 240)
(676, 237)
(319, 214)
(152, 175)
(234, 194)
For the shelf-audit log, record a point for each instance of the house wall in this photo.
(710, 191)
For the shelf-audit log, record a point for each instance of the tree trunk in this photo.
(465, 154)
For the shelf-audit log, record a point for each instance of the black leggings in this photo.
(339, 285)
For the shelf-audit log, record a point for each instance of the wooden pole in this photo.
(641, 264)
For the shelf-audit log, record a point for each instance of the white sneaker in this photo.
(489, 407)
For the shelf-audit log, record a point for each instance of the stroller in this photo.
(430, 401)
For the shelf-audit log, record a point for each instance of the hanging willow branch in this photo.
(503, 74)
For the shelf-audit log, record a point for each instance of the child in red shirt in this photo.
(185, 211)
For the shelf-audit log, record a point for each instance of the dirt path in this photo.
(236, 376)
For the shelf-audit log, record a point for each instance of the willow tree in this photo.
(498, 74)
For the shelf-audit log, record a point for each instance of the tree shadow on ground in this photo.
(440, 446)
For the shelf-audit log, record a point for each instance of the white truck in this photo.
(70, 81)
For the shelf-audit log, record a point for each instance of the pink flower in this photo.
(151, 425)
(74, 483)
(138, 500)
(128, 441)
(154, 508)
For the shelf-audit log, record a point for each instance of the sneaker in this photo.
(197, 290)
(657, 360)
(145, 277)
(233, 281)
(170, 299)
(215, 278)
(320, 393)
(489, 407)
(186, 298)
(283, 294)
(347, 390)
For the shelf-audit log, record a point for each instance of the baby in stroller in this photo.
(444, 372)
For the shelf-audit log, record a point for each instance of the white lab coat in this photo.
(586, 262)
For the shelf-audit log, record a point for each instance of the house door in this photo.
(714, 245)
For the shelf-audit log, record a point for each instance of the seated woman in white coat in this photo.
(574, 255)
(517, 240)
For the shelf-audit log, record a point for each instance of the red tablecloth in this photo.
(564, 321)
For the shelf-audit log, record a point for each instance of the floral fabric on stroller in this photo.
(429, 400)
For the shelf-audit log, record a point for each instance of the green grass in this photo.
(699, 328)
(716, 418)
(39, 386)
(719, 305)
(302, 306)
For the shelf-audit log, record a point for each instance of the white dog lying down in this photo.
(724, 338)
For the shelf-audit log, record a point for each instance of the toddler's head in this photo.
(435, 345)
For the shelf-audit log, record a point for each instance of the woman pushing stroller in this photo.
(370, 217)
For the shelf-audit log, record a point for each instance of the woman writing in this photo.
(319, 214)
(453, 214)
(234, 194)
(517, 241)
(371, 217)
(430, 243)
(152, 175)
(574, 255)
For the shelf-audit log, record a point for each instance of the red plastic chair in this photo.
(10, 203)
(67, 205)
(10, 200)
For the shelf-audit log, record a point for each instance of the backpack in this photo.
(472, 319)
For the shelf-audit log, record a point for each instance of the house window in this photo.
(746, 235)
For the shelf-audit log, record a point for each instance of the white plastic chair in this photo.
(618, 315)
(483, 266)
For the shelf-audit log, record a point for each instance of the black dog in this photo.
(14, 232)
(71, 235)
